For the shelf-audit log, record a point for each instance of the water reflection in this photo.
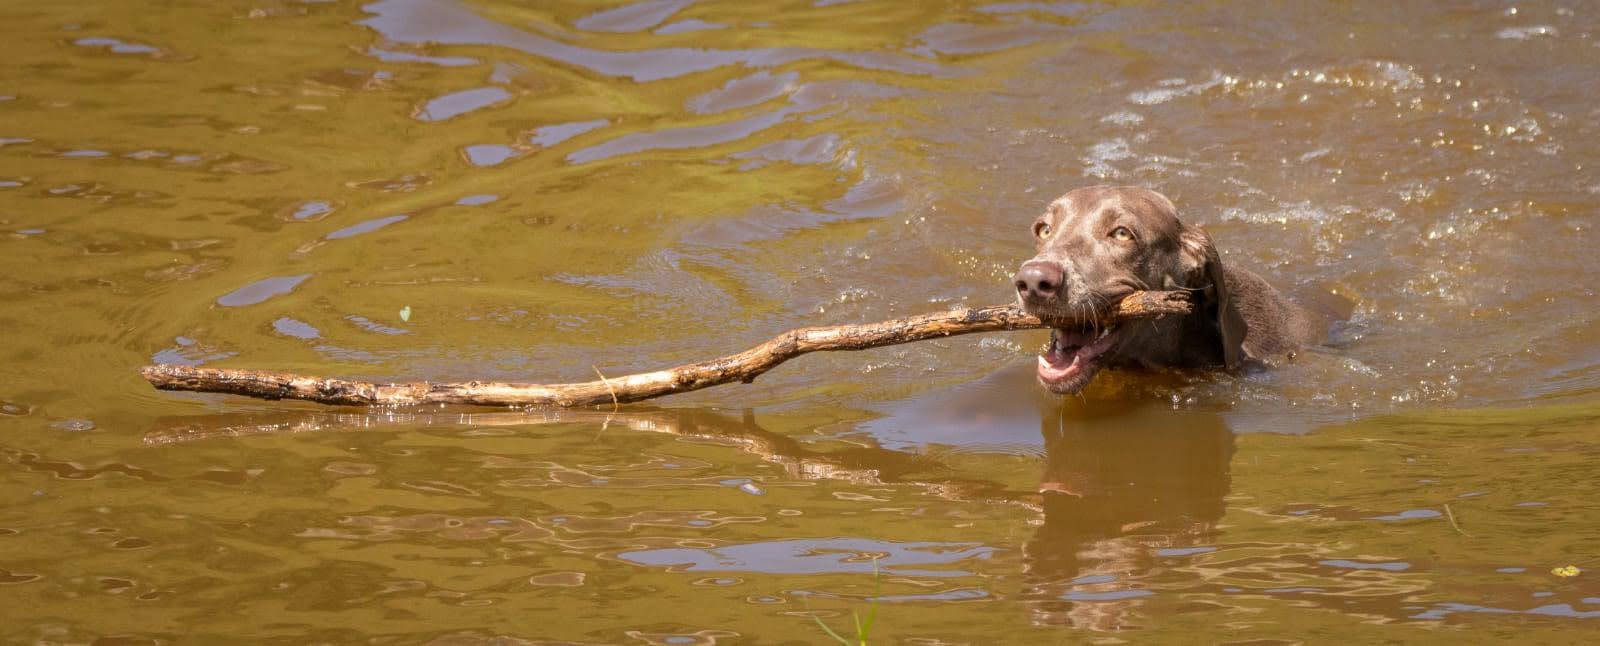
(443, 22)
(1128, 515)
(1126, 490)
(1123, 491)
(859, 464)
(815, 556)
(833, 162)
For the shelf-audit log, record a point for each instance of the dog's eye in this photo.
(1122, 234)
(1041, 230)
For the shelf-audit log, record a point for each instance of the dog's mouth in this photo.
(1073, 358)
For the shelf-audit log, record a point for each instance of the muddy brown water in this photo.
(551, 189)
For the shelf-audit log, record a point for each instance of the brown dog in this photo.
(1098, 244)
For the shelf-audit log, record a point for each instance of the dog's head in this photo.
(1095, 246)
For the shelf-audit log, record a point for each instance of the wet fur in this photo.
(1239, 318)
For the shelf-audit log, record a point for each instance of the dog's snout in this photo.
(1039, 280)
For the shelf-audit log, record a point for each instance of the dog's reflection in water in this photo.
(1125, 487)
(1124, 490)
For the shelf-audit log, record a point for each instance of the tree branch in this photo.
(744, 366)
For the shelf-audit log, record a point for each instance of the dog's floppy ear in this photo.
(1204, 267)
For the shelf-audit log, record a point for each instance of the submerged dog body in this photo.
(1096, 245)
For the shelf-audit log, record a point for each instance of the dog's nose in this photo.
(1038, 280)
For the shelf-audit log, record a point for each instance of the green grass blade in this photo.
(828, 630)
(864, 629)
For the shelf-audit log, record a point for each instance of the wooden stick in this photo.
(744, 366)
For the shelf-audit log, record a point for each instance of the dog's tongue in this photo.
(1058, 365)
(1071, 353)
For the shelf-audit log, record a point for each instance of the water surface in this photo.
(554, 189)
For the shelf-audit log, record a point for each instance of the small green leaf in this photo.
(405, 313)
